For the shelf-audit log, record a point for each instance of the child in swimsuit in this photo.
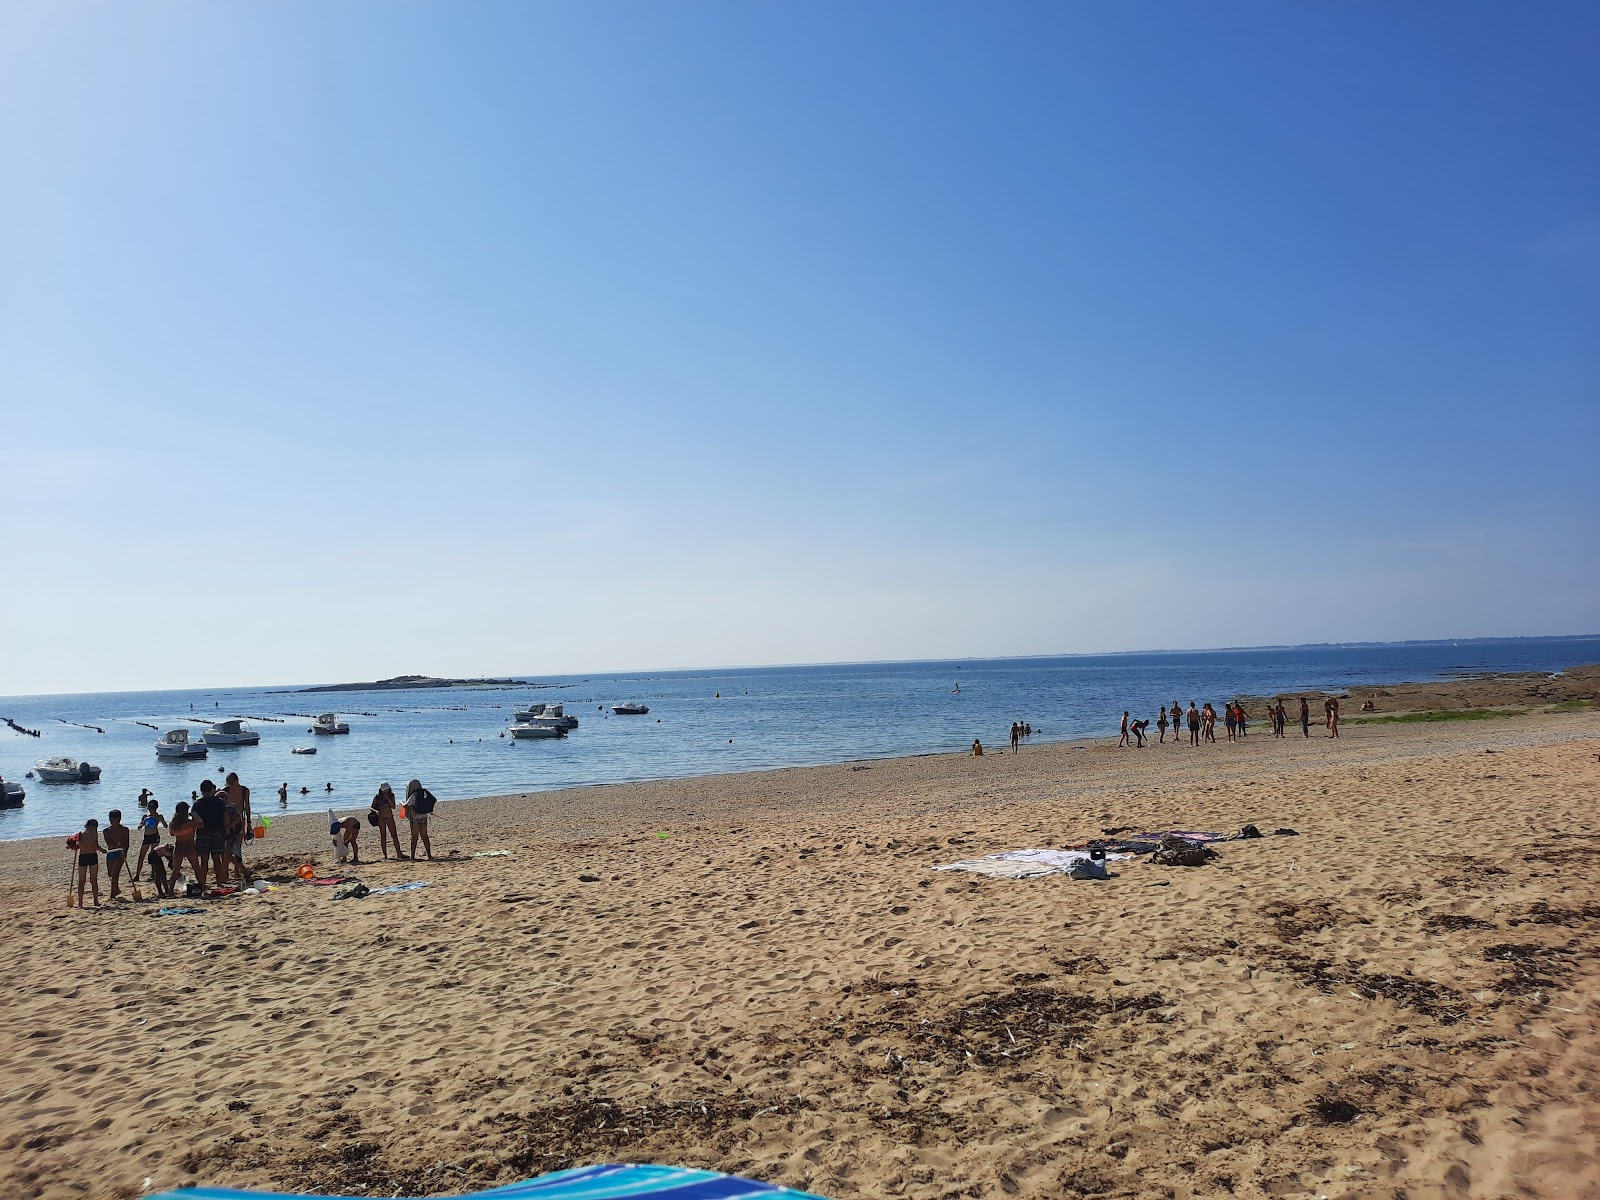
(89, 860)
(117, 835)
(151, 823)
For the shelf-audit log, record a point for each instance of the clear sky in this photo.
(339, 340)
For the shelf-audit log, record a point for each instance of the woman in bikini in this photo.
(89, 860)
(184, 827)
(383, 809)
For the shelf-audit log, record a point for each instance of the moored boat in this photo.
(538, 728)
(630, 709)
(66, 770)
(329, 723)
(232, 732)
(175, 743)
(304, 750)
(11, 794)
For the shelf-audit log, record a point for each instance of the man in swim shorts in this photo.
(211, 843)
(116, 838)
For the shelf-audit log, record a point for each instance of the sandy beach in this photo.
(761, 974)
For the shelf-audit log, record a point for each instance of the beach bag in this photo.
(1088, 868)
(372, 816)
(422, 803)
(1181, 852)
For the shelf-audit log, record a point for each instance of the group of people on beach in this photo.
(1201, 721)
(209, 832)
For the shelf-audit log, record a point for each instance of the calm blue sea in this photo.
(700, 722)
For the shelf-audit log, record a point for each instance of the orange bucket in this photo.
(307, 871)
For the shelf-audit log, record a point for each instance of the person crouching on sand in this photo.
(383, 811)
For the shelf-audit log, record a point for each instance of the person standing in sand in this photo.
(1333, 716)
(89, 860)
(117, 836)
(151, 824)
(1228, 708)
(1194, 724)
(211, 842)
(383, 809)
(185, 830)
(419, 807)
(1123, 740)
(1208, 723)
(1016, 736)
(237, 798)
(1161, 725)
(1305, 717)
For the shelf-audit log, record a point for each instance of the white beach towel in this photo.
(1025, 864)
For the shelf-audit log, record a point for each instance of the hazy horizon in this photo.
(534, 678)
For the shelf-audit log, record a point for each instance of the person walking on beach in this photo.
(1208, 723)
(1333, 716)
(1228, 709)
(117, 836)
(1161, 726)
(1123, 740)
(89, 860)
(1305, 717)
(151, 824)
(1241, 718)
(383, 809)
(420, 803)
(1016, 736)
(1194, 724)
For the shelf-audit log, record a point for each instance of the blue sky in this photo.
(340, 340)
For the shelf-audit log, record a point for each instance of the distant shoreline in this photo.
(408, 683)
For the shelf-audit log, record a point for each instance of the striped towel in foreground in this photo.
(614, 1181)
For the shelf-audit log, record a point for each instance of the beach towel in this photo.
(330, 881)
(1148, 843)
(176, 911)
(489, 854)
(613, 1181)
(398, 887)
(1026, 864)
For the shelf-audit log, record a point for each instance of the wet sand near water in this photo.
(1400, 998)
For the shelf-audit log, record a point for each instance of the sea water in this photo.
(700, 721)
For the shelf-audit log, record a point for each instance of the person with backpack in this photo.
(419, 807)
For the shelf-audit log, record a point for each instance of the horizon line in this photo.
(874, 662)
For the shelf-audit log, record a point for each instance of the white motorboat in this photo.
(541, 727)
(329, 723)
(175, 743)
(232, 732)
(11, 794)
(304, 750)
(66, 770)
(537, 712)
(630, 709)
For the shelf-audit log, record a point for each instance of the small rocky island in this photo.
(405, 683)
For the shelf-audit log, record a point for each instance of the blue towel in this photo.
(610, 1182)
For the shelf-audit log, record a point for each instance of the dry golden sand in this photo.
(1400, 1001)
